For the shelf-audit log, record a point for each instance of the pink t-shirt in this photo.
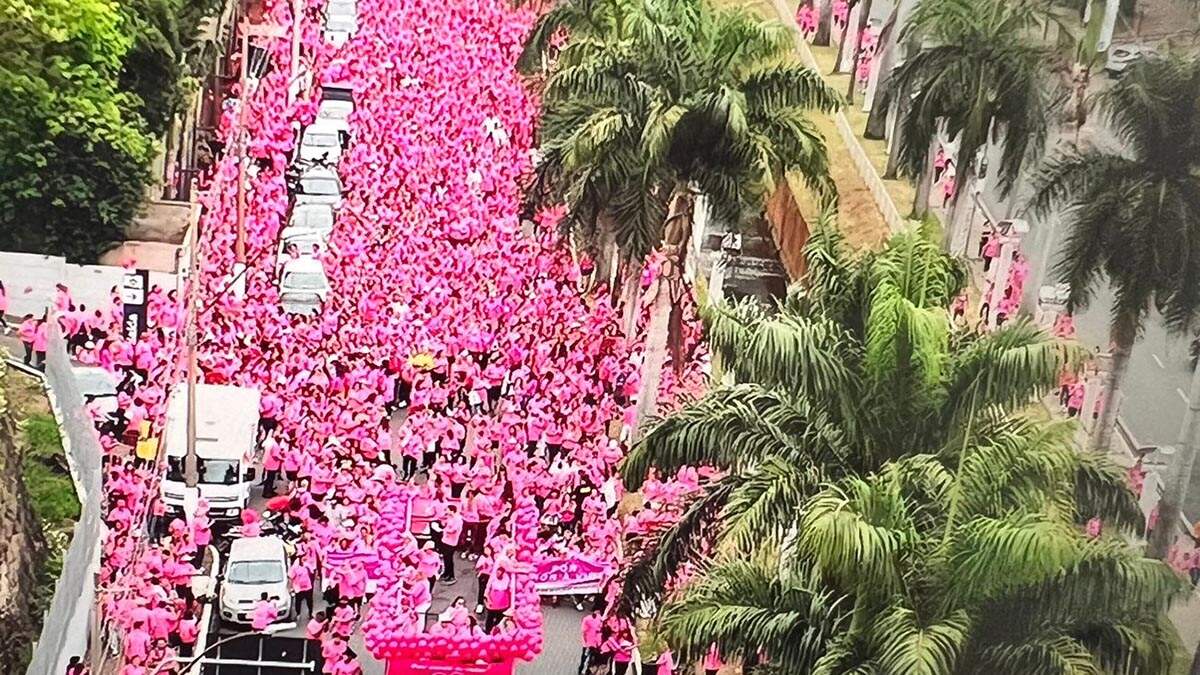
(591, 630)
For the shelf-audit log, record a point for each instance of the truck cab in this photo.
(227, 457)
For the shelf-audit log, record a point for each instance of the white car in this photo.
(1122, 57)
(256, 565)
(322, 141)
(303, 286)
(96, 385)
(337, 102)
(341, 20)
(313, 217)
(319, 185)
(300, 243)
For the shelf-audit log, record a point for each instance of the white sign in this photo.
(133, 289)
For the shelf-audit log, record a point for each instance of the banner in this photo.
(134, 286)
(406, 666)
(571, 575)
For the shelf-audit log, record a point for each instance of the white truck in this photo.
(227, 457)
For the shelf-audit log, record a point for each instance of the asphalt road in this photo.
(1154, 394)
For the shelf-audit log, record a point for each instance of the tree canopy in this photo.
(888, 504)
(85, 87)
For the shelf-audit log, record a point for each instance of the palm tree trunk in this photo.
(1123, 333)
(885, 51)
(655, 355)
(22, 547)
(924, 181)
(676, 234)
(605, 242)
(631, 297)
(824, 21)
(841, 52)
(858, 41)
(1171, 505)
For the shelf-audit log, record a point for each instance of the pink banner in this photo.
(336, 559)
(573, 574)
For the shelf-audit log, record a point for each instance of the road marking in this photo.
(1181, 395)
(1158, 361)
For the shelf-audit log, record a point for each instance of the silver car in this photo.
(319, 185)
(256, 565)
(314, 217)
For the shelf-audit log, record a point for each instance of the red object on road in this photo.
(278, 503)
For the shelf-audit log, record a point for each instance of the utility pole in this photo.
(191, 473)
(1170, 506)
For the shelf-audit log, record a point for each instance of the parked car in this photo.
(1122, 57)
(303, 286)
(306, 243)
(322, 142)
(96, 385)
(312, 217)
(255, 565)
(341, 20)
(318, 185)
(337, 101)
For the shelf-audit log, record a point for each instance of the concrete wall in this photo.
(65, 627)
(30, 280)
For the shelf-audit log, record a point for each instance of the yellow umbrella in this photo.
(422, 361)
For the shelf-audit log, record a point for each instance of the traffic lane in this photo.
(1154, 394)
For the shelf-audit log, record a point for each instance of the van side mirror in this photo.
(248, 475)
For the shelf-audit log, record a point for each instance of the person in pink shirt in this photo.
(300, 580)
(452, 528)
(26, 332)
(497, 597)
(251, 523)
(315, 628)
(592, 639)
(712, 661)
(264, 613)
(41, 341)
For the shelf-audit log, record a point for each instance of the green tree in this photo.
(674, 99)
(982, 68)
(73, 150)
(888, 505)
(158, 66)
(1132, 216)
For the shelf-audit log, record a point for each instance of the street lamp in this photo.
(269, 630)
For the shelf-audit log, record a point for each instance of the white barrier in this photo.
(858, 156)
(30, 280)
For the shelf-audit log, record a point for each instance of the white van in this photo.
(256, 565)
(226, 447)
(314, 217)
(322, 141)
(341, 20)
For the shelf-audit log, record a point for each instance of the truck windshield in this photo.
(255, 572)
(211, 471)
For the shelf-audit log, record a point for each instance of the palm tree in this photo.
(946, 565)
(677, 99)
(887, 505)
(981, 69)
(857, 367)
(1133, 215)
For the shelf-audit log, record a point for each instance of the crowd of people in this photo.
(460, 360)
